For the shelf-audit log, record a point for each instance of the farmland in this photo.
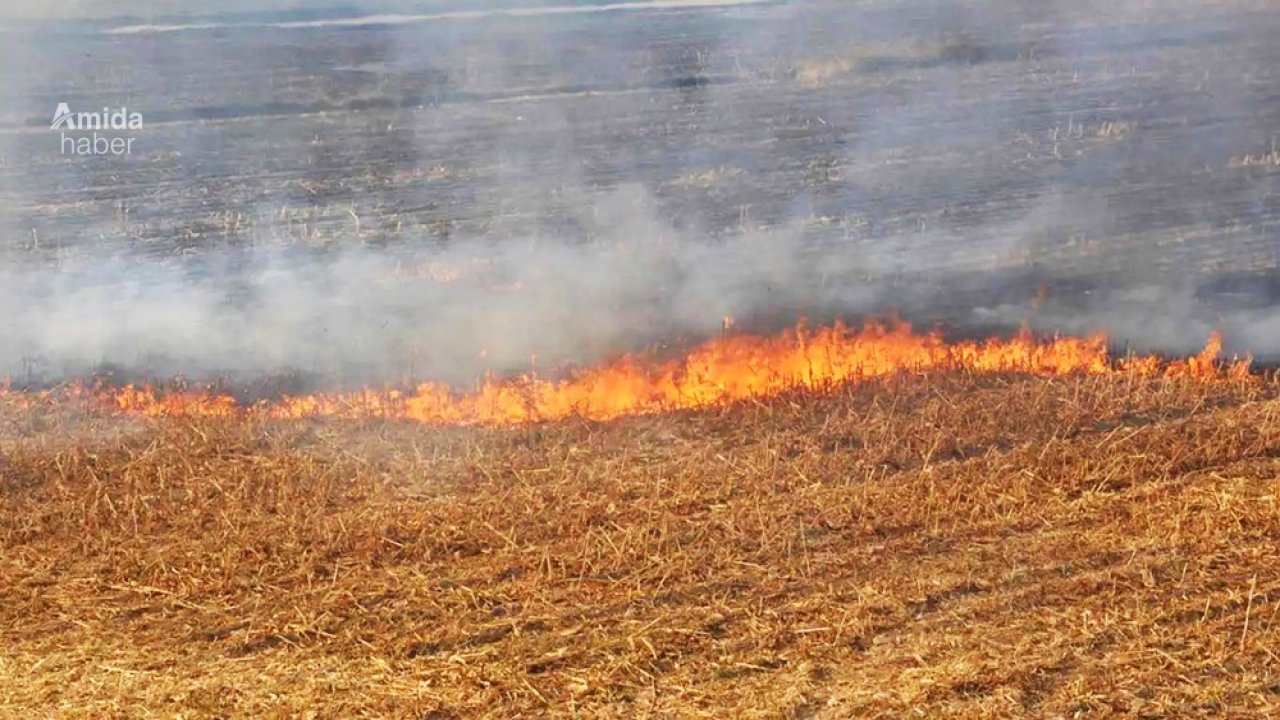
(465, 359)
(981, 153)
(960, 545)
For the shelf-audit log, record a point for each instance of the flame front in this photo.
(728, 368)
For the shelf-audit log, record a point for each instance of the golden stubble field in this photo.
(951, 545)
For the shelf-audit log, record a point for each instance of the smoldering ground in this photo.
(436, 198)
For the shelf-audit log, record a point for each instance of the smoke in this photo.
(362, 314)
(103, 9)
(395, 191)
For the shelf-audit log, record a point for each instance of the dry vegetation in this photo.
(957, 546)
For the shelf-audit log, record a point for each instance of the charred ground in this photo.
(946, 164)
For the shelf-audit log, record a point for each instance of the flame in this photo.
(722, 370)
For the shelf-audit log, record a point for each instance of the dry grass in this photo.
(957, 546)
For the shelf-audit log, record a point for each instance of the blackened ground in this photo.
(969, 159)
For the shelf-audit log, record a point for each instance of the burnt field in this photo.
(957, 162)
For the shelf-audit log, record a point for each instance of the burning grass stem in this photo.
(723, 370)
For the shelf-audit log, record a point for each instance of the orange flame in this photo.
(722, 370)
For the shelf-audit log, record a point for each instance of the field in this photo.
(1103, 145)
(953, 544)
(471, 394)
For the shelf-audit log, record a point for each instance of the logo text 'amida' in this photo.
(94, 143)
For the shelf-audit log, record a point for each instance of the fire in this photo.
(722, 370)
